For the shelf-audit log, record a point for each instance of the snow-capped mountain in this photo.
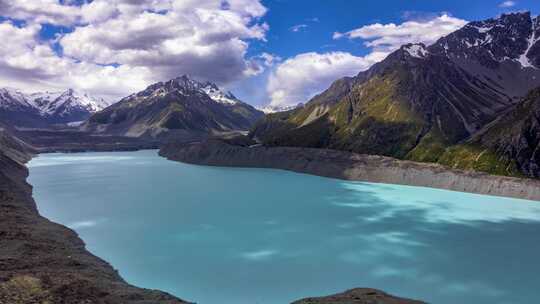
(504, 51)
(47, 107)
(185, 85)
(180, 105)
(511, 37)
(62, 103)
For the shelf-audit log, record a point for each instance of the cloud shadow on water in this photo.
(440, 246)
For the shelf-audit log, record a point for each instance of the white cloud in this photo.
(391, 36)
(507, 4)
(40, 11)
(298, 27)
(299, 78)
(120, 46)
(269, 59)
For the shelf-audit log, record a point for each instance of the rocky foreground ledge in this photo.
(350, 166)
(43, 262)
(358, 296)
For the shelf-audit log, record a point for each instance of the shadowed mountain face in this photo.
(420, 100)
(180, 106)
(503, 51)
(508, 146)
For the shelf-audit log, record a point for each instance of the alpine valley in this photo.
(462, 114)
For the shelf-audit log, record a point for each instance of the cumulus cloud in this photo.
(391, 36)
(118, 46)
(507, 4)
(40, 11)
(299, 78)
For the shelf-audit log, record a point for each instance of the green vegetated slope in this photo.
(508, 146)
(421, 109)
(406, 107)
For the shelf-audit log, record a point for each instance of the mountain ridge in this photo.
(181, 107)
(48, 107)
(420, 100)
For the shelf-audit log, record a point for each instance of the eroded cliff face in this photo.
(44, 262)
(350, 166)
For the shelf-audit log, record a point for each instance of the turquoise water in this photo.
(228, 235)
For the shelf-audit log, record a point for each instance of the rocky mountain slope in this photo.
(508, 146)
(420, 100)
(181, 107)
(44, 108)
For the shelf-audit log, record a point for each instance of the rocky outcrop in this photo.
(351, 166)
(43, 262)
(358, 296)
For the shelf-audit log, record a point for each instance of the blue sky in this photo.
(267, 51)
(344, 15)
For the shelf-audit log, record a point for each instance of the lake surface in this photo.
(257, 236)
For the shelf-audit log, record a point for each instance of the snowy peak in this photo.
(56, 107)
(185, 85)
(61, 103)
(13, 98)
(511, 37)
(218, 96)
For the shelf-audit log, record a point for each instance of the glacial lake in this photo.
(257, 236)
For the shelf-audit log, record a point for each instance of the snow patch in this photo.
(416, 50)
(218, 96)
(523, 59)
(483, 29)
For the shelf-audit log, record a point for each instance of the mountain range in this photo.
(43, 108)
(469, 101)
(451, 100)
(179, 108)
